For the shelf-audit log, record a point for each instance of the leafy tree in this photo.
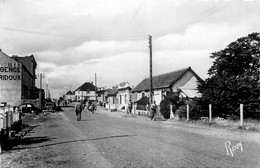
(234, 78)
(195, 112)
(172, 99)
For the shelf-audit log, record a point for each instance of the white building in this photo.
(184, 80)
(86, 91)
(123, 95)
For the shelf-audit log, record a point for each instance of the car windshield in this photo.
(26, 105)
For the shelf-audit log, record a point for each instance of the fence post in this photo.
(7, 124)
(241, 115)
(171, 112)
(11, 116)
(188, 110)
(134, 108)
(210, 113)
(7, 119)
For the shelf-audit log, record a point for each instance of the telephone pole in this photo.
(41, 75)
(95, 86)
(46, 90)
(151, 72)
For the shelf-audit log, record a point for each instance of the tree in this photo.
(234, 77)
(173, 99)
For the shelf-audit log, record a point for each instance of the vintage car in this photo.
(50, 107)
(28, 108)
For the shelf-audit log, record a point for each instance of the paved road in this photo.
(123, 140)
(114, 139)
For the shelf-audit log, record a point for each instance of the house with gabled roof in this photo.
(184, 80)
(102, 93)
(123, 95)
(119, 96)
(86, 91)
(112, 100)
(70, 95)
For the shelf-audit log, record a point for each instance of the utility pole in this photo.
(95, 86)
(41, 75)
(82, 97)
(151, 72)
(46, 90)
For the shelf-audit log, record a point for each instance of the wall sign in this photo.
(10, 69)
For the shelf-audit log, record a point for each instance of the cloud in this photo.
(203, 36)
(73, 40)
(90, 50)
(118, 61)
(46, 67)
(110, 71)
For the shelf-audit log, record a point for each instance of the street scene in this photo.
(116, 139)
(130, 83)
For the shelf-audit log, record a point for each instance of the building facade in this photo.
(185, 81)
(87, 91)
(112, 100)
(69, 96)
(10, 80)
(17, 78)
(123, 95)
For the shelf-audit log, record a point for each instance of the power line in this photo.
(181, 25)
(74, 36)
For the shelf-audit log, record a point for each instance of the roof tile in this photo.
(161, 81)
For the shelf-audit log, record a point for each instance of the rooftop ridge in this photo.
(182, 69)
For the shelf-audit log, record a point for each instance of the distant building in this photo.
(29, 65)
(112, 98)
(86, 91)
(123, 95)
(119, 96)
(184, 80)
(69, 95)
(17, 79)
(102, 94)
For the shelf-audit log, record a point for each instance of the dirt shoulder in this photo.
(53, 142)
(250, 126)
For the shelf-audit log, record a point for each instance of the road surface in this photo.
(116, 139)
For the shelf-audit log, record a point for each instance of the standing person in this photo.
(92, 107)
(78, 110)
(153, 110)
(89, 104)
(129, 109)
(171, 112)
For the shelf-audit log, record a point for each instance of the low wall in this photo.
(8, 116)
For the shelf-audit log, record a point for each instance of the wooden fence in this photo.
(8, 117)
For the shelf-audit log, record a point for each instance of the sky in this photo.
(72, 40)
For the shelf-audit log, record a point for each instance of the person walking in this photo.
(92, 107)
(129, 109)
(153, 110)
(78, 110)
